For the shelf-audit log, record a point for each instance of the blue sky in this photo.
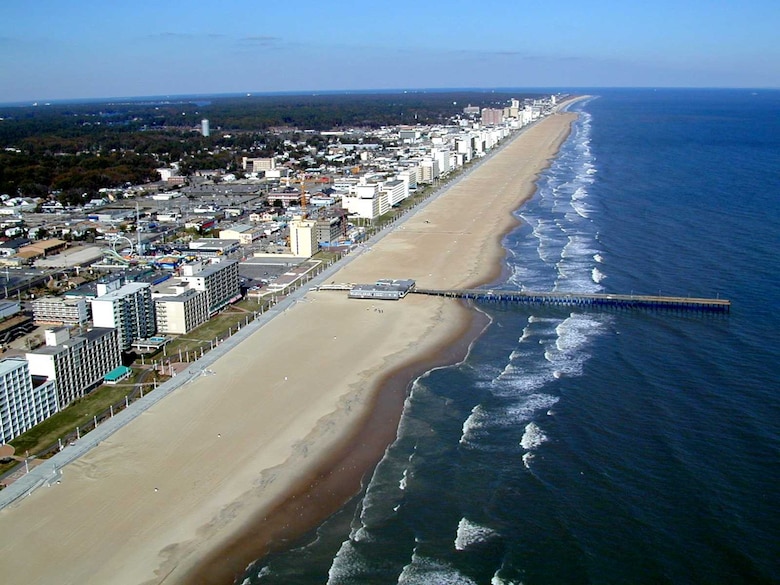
(59, 49)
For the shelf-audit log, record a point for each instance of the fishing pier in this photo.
(583, 300)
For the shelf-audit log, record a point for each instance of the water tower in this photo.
(204, 127)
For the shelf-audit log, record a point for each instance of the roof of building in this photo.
(238, 227)
(97, 333)
(48, 244)
(212, 243)
(125, 290)
(10, 364)
(181, 297)
(59, 300)
(8, 305)
(117, 373)
(14, 244)
(213, 268)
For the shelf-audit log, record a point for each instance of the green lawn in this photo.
(217, 326)
(79, 413)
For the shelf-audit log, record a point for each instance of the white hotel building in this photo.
(220, 281)
(76, 364)
(24, 403)
(129, 309)
(179, 308)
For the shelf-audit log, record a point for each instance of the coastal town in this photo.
(119, 294)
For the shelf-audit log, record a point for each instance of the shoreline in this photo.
(241, 448)
(338, 478)
(294, 517)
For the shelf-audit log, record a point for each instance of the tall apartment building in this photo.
(303, 238)
(129, 309)
(442, 157)
(330, 229)
(429, 170)
(492, 116)
(368, 201)
(409, 177)
(220, 281)
(76, 364)
(396, 191)
(60, 311)
(181, 312)
(24, 402)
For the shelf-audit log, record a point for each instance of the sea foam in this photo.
(425, 570)
(472, 534)
(532, 437)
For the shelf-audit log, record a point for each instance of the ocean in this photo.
(600, 447)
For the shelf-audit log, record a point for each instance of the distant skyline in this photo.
(51, 50)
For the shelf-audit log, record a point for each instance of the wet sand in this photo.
(280, 437)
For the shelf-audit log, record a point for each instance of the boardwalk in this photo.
(584, 300)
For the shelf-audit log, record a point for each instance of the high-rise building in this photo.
(181, 311)
(76, 364)
(204, 127)
(492, 116)
(128, 309)
(24, 402)
(220, 281)
(303, 238)
(396, 191)
(330, 229)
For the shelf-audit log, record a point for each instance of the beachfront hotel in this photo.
(303, 238)
(179, 309)
(219, 280)
(129, 309)
(24, 401)
(76, 364)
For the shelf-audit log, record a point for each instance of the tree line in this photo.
(76, 149)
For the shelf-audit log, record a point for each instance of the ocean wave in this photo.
(496, 580)
(484, 420)
(536, 319)
(472, 534)
(576, 330)
(362, 534)
(403, 482)
(425, 570)
(472, 425)
(597, 275)
(582, 209)
(349, 562)
(528, 408)
(520, 382)
(578, 246)
(579, 193)
(532, 437)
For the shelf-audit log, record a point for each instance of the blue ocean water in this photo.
(611, 447)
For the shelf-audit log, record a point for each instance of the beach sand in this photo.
(280, 436)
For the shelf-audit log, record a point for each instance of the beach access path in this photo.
(240, 430)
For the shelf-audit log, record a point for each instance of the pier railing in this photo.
(584, 300)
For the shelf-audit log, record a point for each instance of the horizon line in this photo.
(376, 91)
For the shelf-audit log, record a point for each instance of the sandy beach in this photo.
(279, 437)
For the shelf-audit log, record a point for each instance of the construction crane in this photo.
(302, 181)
